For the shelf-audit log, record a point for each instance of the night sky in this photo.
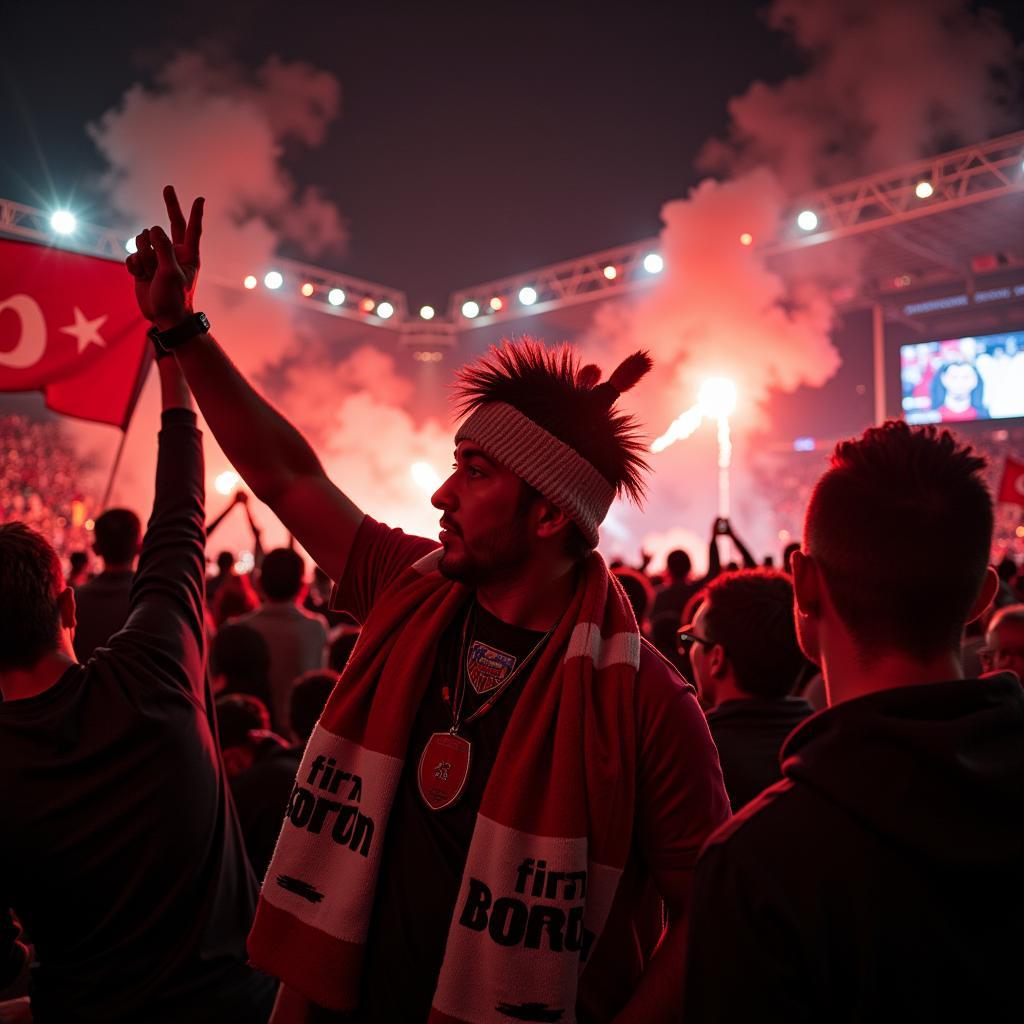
(473, 142)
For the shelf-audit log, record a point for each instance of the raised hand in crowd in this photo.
(166, 270)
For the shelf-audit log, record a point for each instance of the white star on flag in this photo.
(85, 331)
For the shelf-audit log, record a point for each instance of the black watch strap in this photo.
(159, 352)
(170, 339)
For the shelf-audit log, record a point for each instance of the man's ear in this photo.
(987, 594)
(66, 608)
(806, 584)
(717, 659)
(549, 520)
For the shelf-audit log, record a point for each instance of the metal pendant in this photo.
(443, 770)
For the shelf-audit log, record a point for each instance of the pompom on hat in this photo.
(549, 420)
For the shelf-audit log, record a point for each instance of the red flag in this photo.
(69, 327)
(1012, 487)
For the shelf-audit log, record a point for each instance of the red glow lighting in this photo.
(307, 289)
(497, 303)
(746, 238)
(367, 305)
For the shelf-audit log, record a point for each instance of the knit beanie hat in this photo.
(547, 419)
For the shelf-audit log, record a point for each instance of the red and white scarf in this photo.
(550, 840)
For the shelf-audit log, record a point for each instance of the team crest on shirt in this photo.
(488, 667)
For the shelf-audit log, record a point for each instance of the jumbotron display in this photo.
(962, 379)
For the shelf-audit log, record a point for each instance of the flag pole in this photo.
(113, 469)
(144, 364)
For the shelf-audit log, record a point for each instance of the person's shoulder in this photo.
(658, 679)
(770, 820)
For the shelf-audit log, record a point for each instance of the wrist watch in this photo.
(167, 341)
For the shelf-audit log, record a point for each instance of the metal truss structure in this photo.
(960, 178)
(975, 207)
(583, 279)
(33, 225)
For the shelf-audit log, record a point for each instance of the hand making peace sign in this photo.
(166, 269)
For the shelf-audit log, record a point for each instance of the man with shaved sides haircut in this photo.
(509, 783)
(882, 879)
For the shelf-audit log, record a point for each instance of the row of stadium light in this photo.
(807, 220)
(64, 222)
(528, 295)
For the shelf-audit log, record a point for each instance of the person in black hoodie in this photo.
(122, 857)
(883, 877)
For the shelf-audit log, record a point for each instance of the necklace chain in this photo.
(459, 696)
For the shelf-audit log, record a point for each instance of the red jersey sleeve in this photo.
(378, 557)
(681, 795)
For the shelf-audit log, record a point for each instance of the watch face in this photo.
(203, 322)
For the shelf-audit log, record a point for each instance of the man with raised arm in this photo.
(121, 854)
(509, 778)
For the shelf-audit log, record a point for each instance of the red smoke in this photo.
(886, 82)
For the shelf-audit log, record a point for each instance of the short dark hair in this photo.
(238, 714)
(750, 613)
(281, 574)
(679, 564)
(31, 580)
(116, 535)
(242, 655)
(225, 561)
(308, 698)
(638, 590)
(901, 528)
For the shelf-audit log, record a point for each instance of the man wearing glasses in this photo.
(746, 663)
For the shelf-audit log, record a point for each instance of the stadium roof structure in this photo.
(952, 221)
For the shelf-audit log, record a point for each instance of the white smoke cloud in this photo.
(886, 82)
(210, 128)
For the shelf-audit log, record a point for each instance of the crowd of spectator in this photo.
(276, 649)
(41, 481)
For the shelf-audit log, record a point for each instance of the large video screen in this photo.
(961, 379)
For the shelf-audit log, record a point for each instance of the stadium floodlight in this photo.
(307, 289)
(226, 482)
(426, 312)
(923, 190)
(131, 246)
(273, 279)
(610, 272)
(653, 263)
(385, 310)
(470, 309)
(746, 238)
(497, 303)
(368, 305)
(63, 222)
(527, 295)
(336, 296)
(807, 220)
(249, 281)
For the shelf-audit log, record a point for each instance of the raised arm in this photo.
(272, 457)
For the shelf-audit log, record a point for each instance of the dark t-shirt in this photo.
(680, 799)
(101, 608)
(432, 845)
(749, 735)
(121, 853)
